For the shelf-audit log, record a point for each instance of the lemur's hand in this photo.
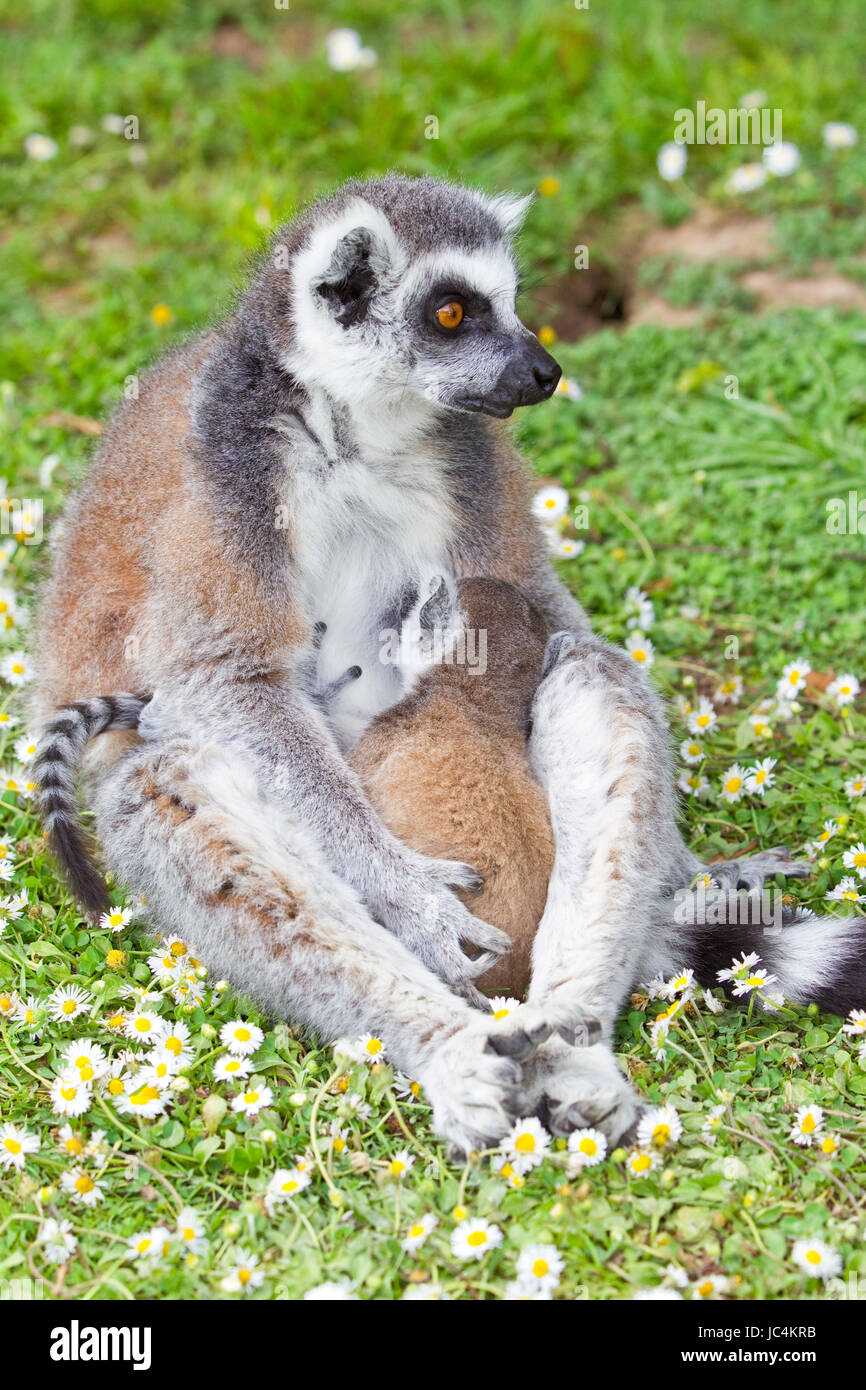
(425, 915)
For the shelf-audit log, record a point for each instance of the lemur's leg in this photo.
(184, 823)
(599, 748)
(286, 740)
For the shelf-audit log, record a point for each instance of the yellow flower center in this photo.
(242, 1034)
(477, 1238)
(174, 1045)
(525, 1144)
(13, 1146)
(84, 1184)
(540, 1268)
(808, 1124)
(705, 1289)
(661, 1134)
(639, 654)
(733, 784)
(143, 1095)
(813, 1257)
(74, 1146)
(703, 720)
(251, 1097)
(641, 1163)
(860, 861)
(143, 1025)
(115, 1086)
(69, 1006)
(416, 1231)
(588, 1146)
(69, 1092)
(374, 1046)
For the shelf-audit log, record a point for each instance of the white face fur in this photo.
(369, 330)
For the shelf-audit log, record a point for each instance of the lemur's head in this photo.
(406, 286)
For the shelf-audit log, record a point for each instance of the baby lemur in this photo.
(316, 458)
(448, 767)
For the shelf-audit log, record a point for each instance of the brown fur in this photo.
(447, 770)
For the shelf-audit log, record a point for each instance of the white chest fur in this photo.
(363, 533)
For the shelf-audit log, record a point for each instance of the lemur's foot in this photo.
(433, 924)
(524, 1030)
(750, 871)
(475, 1094)
(577, 1088)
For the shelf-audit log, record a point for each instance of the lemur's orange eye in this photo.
(449, 315)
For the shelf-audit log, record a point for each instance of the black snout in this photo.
(530, 375)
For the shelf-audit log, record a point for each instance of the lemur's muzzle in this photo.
(530, 376)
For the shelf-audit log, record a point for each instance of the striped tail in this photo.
(58, 756)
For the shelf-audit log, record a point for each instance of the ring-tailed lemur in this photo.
(447, 768)
(316, 459)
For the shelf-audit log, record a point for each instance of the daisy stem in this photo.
(314, 1139)
(708, 1064)
(18, 1059)
(416, 1144)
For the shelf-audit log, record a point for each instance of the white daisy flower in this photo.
(661, 1293)
(87, 1058)
(816, 1258)
(587, 1147)
(760, 727)
(82, 1187)
(501, 1006)
(568, 387)
(371, 1049)
(844, 689)
(526, 1144)
(681, 983)
(696, 785)
(8, 1003)
(400, 1164)
(856, 1024)
(714, 1005)
(57, 1238)
(191, 1232)
(838, 135)
(232, 1068)
(67, 1002)
(847, 890)
(244, 1276)
(659, 1129)
(150, 1245)
(16, 668)
(115, 919)
(346, 52)
(143, 1025)
(250, 1102)
(241, 1037)
(418, 1233)
(792, 679)
(730, 691)
(671, 161)
(472, 1239)
(15, 1145)
(141, 1098)
(640, 649)
(640, 1163)
(733, 786)
(7, 848)
(639, 608)
(25, 748)
(712, 1124)
(159, 1070)
(758, 979)
(710, 1286)
(691, 751)
(428, 1292)
(550, 503)
(174, 1038)
(828, 830)
(782, 158)
(703, 719)
(336, 1291)
(747, 178)
(567, 548)
(40, 147)
(285, 1184)
(855, 858)
(541, 1265)
(760, 777)
(807, 1125)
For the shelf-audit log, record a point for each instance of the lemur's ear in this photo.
(437, 610)
(349, 281)
(510, 210)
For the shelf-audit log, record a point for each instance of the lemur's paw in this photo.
(521, 1032)
(451, 873)
(576, 1088)
(750, 871)
(475, 1095)
(433, 924)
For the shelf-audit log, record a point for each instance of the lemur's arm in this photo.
(284, 736)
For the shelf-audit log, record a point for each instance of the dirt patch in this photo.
(581, 302)
(232, 41)
(114, 246)
(711, 235)
(775, 291)
(651, 308)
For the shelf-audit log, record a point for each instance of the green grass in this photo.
(716, 506)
